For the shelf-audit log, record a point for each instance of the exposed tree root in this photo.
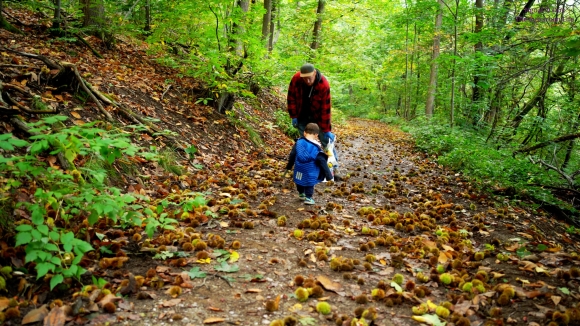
(67, 70)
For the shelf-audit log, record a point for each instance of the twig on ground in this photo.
(162, 95)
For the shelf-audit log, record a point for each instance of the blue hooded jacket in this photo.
(309, 162)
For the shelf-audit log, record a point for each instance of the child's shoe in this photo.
(301, 196)
(309, 201)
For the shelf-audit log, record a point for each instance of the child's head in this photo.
(311, 129)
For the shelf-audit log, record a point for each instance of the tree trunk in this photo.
(476, 96)
(266, 21)
(317, 26)
(57, 19)
(94, 13)
(434, 65)
(148, 16)
(272, 20)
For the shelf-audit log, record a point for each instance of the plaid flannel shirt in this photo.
(319, 103)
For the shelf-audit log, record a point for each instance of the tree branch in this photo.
(548, 142)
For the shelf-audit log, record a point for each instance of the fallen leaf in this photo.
(234, 256)
(214, 308)
(443, 258)
(171, 303)
(35, 315)
(108, 298)
(56, 317)
(4, 303)
(253, 291)
(328, 284)
(75, 114)
(556, 299)
(213, 320)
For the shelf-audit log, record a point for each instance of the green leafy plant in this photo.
(52, 250)
(225, 267)
(195, 272)
(66, 195)
(284, 123)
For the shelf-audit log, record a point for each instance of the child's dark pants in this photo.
(306, 190)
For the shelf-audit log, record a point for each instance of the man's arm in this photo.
(293, 97)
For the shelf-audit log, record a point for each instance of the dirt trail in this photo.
(417, 207)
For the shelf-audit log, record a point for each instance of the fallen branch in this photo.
(82, 40)
(568, 178)
(49, 63)
(556, 188)
(548, 142)
(162, 95)
(88, 91)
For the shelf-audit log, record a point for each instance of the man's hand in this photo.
(330, 136)
(294, 122)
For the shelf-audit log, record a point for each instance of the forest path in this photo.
(398, 212)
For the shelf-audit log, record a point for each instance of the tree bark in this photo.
(476, 96)
(147, 16)
(94, 13)
(317, 26)
(434, 65)
(271, 29)
(266, 21)
(57, 15)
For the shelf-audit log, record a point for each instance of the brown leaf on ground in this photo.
(328, 284)
(170, 303)
(35, 315)
(213, 320)
(56, 317)
(108, 298)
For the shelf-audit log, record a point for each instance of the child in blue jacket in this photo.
(310, 163)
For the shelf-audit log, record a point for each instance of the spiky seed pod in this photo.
(360, 281)
(410, 285)
(463, 321)
(323, 308)
(200, 245)
(301, 294)
(316, 291)
(509, 291)
(364, 247)
(442, 312)
(419, 292)
(290, 321)
(503, 300)
(368, 266)
(302, 263)
(361, 299)
(398, 278)
(446, 278)
(109, 307)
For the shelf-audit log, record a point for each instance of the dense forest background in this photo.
(489, 87)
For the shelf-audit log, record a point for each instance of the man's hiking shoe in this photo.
(301, 196)
(309, 201)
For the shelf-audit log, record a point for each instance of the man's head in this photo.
(311, 130)
(308, 73)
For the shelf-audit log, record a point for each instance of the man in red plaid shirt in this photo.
(309, 101)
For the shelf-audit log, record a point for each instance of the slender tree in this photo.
(434, 64)
(317, 26)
